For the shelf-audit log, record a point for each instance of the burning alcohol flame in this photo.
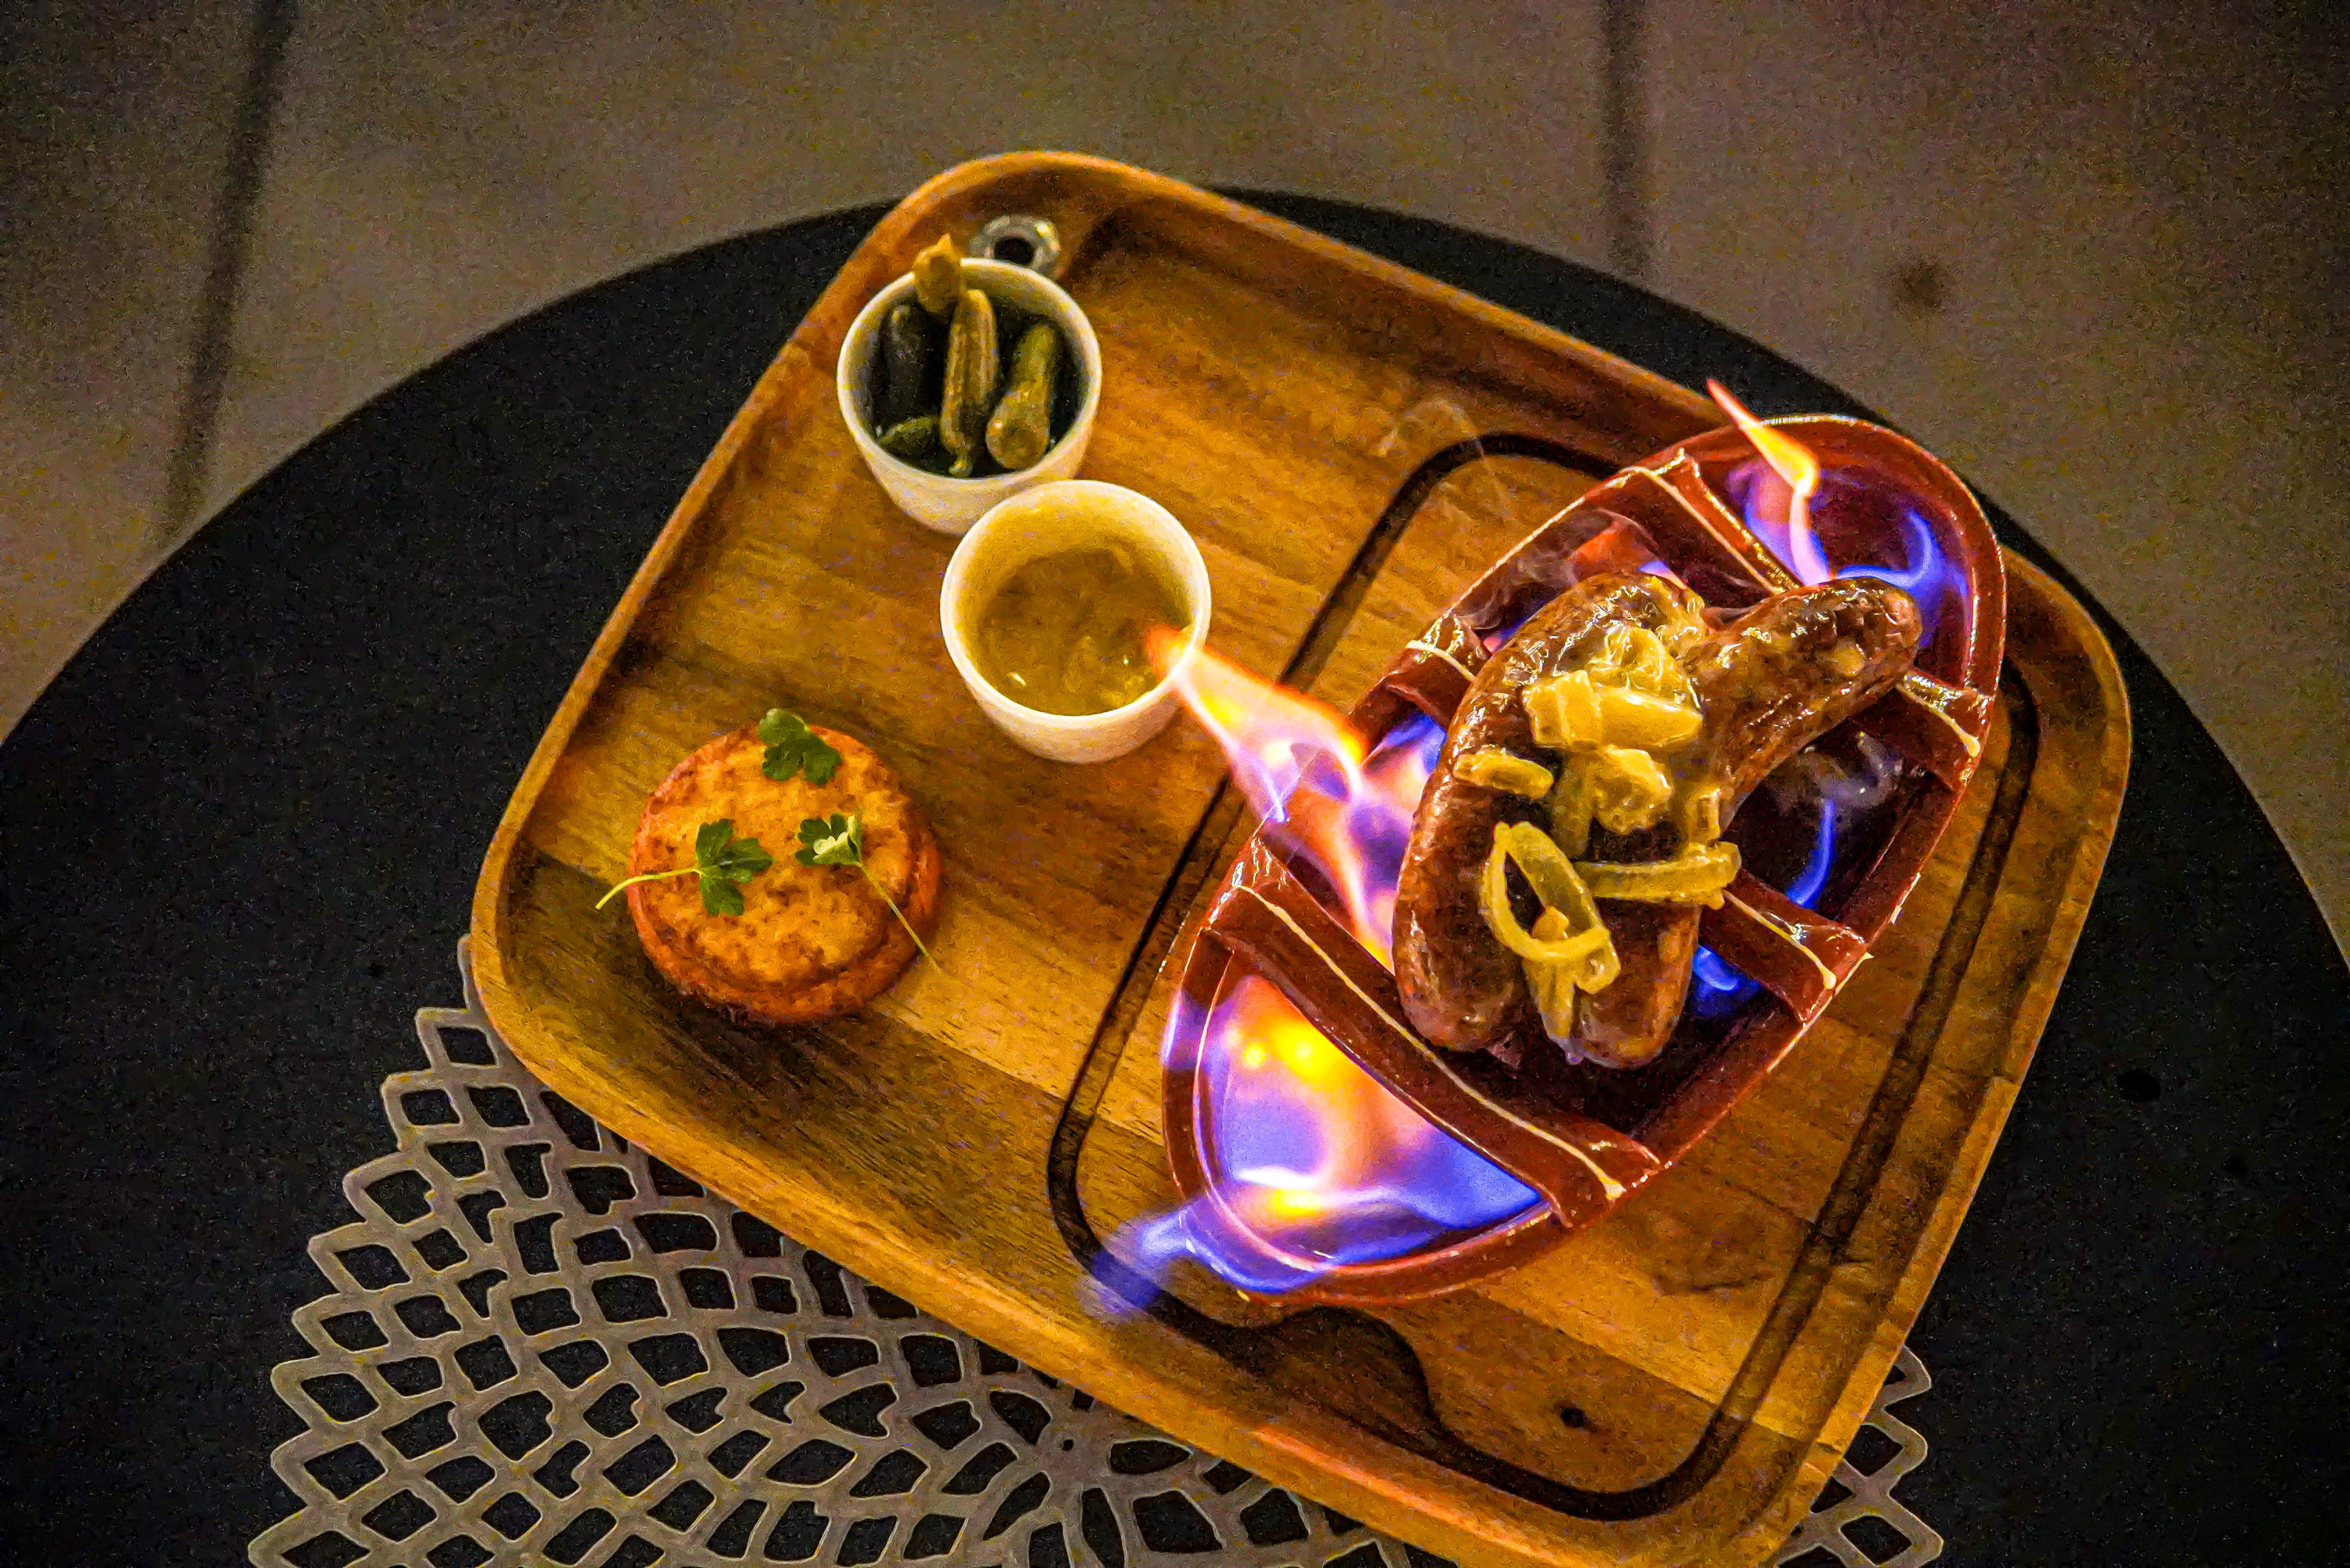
(1782, 496)
(1799, 470)
(1717, 986)
(1778, 499)
(1311, 1162)
(1304, 769)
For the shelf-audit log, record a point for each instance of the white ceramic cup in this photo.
(1064, 516)
(935, 500)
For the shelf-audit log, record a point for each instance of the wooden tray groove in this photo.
(1314, 416)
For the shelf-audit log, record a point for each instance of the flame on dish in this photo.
(1797, 472)
(1307, 776)
(1312, 1163)
(1780, 497)
(1785, 496)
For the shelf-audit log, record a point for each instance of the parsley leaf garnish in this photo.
(794, 748)
(839, 840)
(723, 861)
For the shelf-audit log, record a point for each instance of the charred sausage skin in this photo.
(1460, 988)
(1767, 684)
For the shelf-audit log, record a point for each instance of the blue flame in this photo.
(1717, 986)
(1264, 1148)
(1918, 549)
(1264, 1151)
(1414, 740)
(1920, 577)
(1261, 1147)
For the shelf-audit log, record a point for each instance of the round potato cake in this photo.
(812, 942)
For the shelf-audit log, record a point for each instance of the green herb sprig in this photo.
(723, 861)
(794, 748)
(839, 840)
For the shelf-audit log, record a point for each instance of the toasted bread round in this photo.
(812, 942)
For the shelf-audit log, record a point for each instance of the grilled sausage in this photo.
(1767, 685)
(1461, 988)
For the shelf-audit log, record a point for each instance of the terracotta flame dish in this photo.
(1584, 1121)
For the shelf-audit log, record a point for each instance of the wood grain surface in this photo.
(1672, 1385)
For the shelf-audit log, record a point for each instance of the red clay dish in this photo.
(1586, 1137)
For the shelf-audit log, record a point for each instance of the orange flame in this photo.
(1344, 1130)
(1798, 470)
(1312, 1162)
(1278, 740)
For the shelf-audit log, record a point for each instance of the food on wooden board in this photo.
(1022, 426)
(938, 278)
(1598, 755)
(974, 375)
(906, 382)
(1066, 632)
(942, 398)
(814, 875)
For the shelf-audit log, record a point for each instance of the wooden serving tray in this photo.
(1350, 443)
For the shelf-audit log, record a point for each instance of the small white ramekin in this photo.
(1068, 514)
(936, 500)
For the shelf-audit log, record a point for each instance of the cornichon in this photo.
(909, 356)
(973, 373)
(915, 439)
(938, 278)
(1022, 426)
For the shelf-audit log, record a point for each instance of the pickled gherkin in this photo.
(938, 278)
(973, 373)
(907, 381)
(1022, 426)
(915, 439)
(960, 383)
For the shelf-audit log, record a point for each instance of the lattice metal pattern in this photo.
(546, 1346)
(1855, 1521)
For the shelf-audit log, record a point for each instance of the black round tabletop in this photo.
(238, 839)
